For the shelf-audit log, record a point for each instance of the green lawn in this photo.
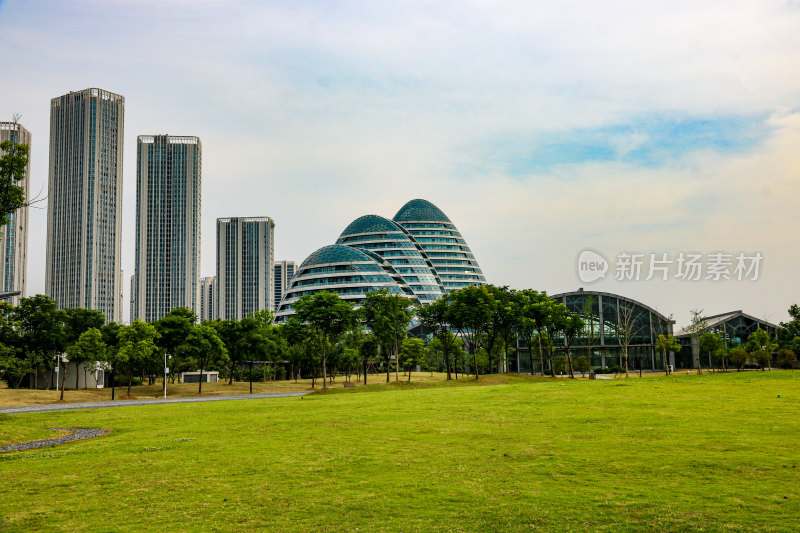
(713, 452)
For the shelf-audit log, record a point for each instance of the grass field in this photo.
(713, 452)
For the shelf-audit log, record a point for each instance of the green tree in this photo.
(13, 366)
(760, 340)
(711, 343)
(531, 317)
(786, 358)
(13, 164)
(136, 345)
(173, 330)
(762, 358)
(110, 334)
(572, 325)
(412, 353)
(739, 357)
(327, 317)
(667, 343)
(203, 347)
(367, 351)
(697, 325)
(434, 317)
(77, 321)
(560, 364)
(387, 316)
(470, 311)
(41, 326)
(89, 348)
(582, 365)
(501, 325)
(295, 335)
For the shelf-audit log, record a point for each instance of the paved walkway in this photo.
(74, 434)
(122, 403)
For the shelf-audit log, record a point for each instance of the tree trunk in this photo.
(475, 362)
(569, 362)
(233, 369)
(77, 379)
(113, 383)
(447, 364)
(200, 383)
(625, 354)
(64, 380)
(396, 360)
(387, 369)
(130, 379)
(365, 372)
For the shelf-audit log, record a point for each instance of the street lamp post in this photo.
(58, 369)
(166, 371)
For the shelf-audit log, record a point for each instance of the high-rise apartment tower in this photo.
(14, 235)
(245, 253)
(84, 204)
(168, 170)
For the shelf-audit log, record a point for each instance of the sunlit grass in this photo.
(713, 452)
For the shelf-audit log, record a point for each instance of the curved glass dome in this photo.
(349, 272)
(389, 241)
(334, 254)
(441, 243)
(370, 224)
(420, 210)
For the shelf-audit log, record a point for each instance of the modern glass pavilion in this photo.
(608, 317)
(733, 327)
(420, 254)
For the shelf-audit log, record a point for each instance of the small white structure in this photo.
(89, 376)
(194, 377)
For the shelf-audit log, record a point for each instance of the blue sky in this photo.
(539, 129)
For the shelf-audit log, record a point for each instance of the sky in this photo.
(541, 129)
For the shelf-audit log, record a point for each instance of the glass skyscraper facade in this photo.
(167, 225)
(85, 201)
(245, 255)
(283, 273)
(208, 289)
(14, 235)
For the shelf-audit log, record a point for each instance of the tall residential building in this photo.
(244, 266)
(283, 274)
(208, 287)
(14, 235)
(167, 225)
(84, 211)
(133, 299)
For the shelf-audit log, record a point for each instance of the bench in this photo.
(348, 384)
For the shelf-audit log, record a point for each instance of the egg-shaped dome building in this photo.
(442, 244)
(391, 242)
(349, 272)
(420, 254)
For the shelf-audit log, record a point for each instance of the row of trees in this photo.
(474, 330)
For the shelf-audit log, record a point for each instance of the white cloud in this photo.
(316, 114)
